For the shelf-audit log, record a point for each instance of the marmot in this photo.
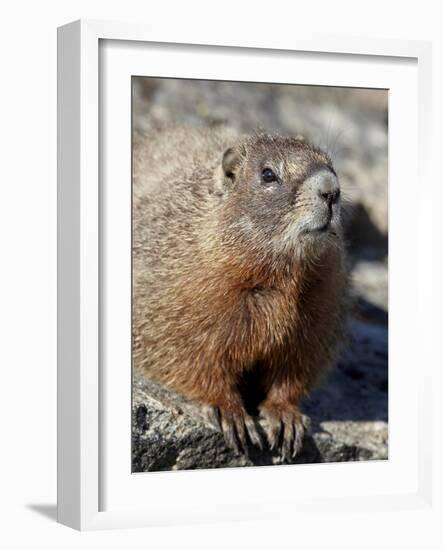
(238, 274)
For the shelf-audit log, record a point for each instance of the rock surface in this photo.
(349, 414)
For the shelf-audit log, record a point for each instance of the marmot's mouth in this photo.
(326, 225)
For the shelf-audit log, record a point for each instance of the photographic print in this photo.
(259, 274)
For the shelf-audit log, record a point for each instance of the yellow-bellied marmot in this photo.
(238, 274)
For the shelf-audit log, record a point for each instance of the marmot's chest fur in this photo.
(238, 268)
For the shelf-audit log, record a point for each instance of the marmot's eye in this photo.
(268, 175)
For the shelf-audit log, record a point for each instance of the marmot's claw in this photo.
(238, 428)
(285, 431)
(273, 430)
(233, 441)
(254, 436)
(212, 414)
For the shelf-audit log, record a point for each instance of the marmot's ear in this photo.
(231, 160)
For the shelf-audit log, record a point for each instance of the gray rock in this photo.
(370, 280)
(369, 289)
(349, 415)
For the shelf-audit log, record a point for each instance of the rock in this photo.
(349, 414)
(369, 290)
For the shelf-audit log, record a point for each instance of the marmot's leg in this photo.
(285, 425)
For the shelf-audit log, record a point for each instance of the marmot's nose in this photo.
(327, 187)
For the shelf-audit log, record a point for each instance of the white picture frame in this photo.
(83, 437)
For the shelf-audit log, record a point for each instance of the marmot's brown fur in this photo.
(238, 274)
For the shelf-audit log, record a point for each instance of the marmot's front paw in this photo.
(237, 427)
(284, 429)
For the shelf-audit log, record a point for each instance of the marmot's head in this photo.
(281, 191)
